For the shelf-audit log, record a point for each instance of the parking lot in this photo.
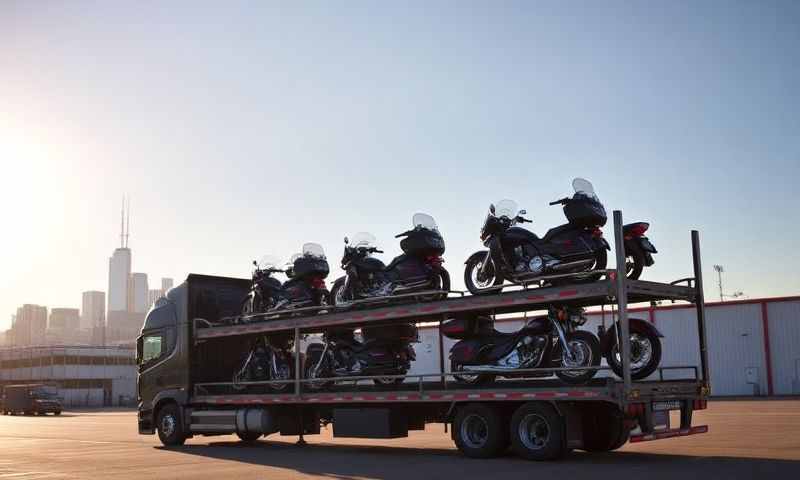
(747, 439)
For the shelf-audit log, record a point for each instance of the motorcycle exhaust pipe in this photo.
(570, 265)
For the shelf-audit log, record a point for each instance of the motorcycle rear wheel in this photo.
(634, 261)
(587, 349)
(645, 356)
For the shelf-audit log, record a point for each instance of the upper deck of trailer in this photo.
(526, 299)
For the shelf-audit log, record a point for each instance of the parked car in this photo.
(30, 399)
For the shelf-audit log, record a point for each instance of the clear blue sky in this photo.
(241, 129)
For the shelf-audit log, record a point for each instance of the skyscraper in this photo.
(64, 325)
(30, 325)
(119, 284)
(166, 284)
(93, 310)
(139, 290)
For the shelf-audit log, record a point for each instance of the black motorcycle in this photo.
(269, 359)
(418, 269)
(304, 288)
(385, 350)
(551, 341)
(519, 255)
(266, 292)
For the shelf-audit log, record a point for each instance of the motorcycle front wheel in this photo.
(585, 350)
(645, 356)
(480, 284)
(338, 297)
(316, 375)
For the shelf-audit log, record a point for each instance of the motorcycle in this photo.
(269, 359)
(645, 347)
(518, 255)
(385, 350)
(419, 268)
(550, 341)
(307, 272)
(266, 292)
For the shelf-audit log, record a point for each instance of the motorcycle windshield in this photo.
(423, 220)
(313, 250)
(581, 185)
(268, 262)
(363, 240)
(506, 208)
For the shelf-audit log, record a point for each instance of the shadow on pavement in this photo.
(383, 462)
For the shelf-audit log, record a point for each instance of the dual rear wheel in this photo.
(534, 431)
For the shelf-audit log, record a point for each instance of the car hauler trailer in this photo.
(189, 348)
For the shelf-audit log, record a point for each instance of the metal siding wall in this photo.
(735, 343)
(680, 345)
(784, 342)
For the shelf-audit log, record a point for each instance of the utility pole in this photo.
(719, 270)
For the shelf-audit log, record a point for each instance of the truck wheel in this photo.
(169, 426)
(480, 431)
(537, 432)
(249, 437)
(604, 428)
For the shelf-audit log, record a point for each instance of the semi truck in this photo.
(194, 339)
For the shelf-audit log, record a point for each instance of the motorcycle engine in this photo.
(530, 351)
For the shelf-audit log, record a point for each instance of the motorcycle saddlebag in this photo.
(585, 211)
(423, 242)
(467, 326)
(405, 332)
(308, 265)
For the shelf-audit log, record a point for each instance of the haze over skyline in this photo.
(241, 130)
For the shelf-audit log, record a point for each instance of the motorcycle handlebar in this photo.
(563, 200)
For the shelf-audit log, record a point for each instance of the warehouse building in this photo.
(83, 376)
(753, 345)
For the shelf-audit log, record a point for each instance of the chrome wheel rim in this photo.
(534, 431)
(582, 354)
(641, 352)
(168, 424)
(474, 431)
(473, 275)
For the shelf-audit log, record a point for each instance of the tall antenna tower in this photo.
(128, 224)
(124, 223)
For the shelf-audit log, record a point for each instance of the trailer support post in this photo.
(297, 362)
(622, 303)
(700, 305)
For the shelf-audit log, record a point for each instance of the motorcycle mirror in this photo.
(523, 212)
(346, 241)
(255, 263)
(491, 208)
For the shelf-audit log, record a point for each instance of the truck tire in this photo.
(169, 425)
(479, 431)
(604, 428)
(537, 432)
(249, 437)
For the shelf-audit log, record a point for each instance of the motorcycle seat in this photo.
(555, 231)
(397, 260)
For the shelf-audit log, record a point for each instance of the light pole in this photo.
(719, 270)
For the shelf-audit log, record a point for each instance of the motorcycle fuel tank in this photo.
(369, 265)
